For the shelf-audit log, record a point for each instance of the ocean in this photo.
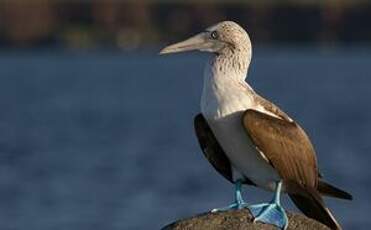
(105, 140)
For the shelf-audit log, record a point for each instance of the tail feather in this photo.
(329, 190)
(309, 201)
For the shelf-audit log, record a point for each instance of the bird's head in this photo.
(226, 37)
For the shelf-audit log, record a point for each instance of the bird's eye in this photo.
(214, 35)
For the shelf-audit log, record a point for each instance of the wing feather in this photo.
(211, 148)
(285, 145)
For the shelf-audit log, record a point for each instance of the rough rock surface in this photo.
(240, 219)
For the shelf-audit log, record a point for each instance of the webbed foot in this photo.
(239, 203)
(271, 213)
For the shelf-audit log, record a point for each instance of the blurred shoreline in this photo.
(132, 25)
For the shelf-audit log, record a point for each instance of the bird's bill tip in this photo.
(176, 48)
(167, 50)
(193, 43)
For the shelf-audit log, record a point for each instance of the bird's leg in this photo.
(238, 203)
(272, 212)
(238, 195)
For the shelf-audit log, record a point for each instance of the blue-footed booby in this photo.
(248, 139)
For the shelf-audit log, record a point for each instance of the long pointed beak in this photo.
(197, 42)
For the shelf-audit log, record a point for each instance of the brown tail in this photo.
(309, 201)
(328, 190)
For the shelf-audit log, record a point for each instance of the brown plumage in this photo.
(290, 152)
(285, 145)
(263, 143)
(278, 140)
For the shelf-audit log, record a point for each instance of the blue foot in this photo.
(239, 202)
(271, 213)
(233, 206)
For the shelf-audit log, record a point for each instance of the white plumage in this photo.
(279, 155)
(225, 97)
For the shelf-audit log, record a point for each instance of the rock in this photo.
(240, 219)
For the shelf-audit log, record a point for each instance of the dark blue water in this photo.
(105, 141)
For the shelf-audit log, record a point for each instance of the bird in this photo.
(248, 139)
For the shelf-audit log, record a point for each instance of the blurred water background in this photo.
(100, 136)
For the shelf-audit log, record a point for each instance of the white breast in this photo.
(223, 102)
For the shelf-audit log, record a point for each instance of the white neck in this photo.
(225, 90)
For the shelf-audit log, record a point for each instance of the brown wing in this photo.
(271, 107)
(310, 202)
(327, 189)
(212, 150)
(285, 145)
(289, 150)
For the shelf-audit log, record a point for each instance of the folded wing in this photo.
(288, 149)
